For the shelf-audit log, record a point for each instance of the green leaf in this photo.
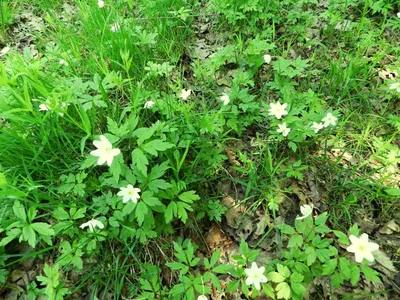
(215, 257)
(329, 267)
(392, 192)
(322, 229)
(354, 230)
(29, 235)
(342, 238)
(143, 134)
(119, 131)
(275, 277)
(19, 211)
(311, 255)
(140, 212)
(298, 288)
(301, 268)
(283, 270)
(370, 274)
(337, 280)
(283, 290)
(139, 159)
(88, 162)
(150, 200)
(344, 267)
(42, 228)
(296, 277)
(268, 290)
(116, 167)
(155, 146)
(321, 219)
(170, 211)
(181, 209)
(244, 248)
(354, 274)
(189, 196)
(223, 269)
(176, 266)
(323, 255)
(295, 240)
(287, 229)
(60, 214)
(232, 286)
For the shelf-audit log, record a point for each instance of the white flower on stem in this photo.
(225, 99)
(395, 86)
(362, 248)
(149, 104)
(185, 94)
(283, 129)
(329, 120)
(398, 14)
(202, 297)
(306, 210)
(43, 107)
(100, 3)
(255, 276)
(63, 62)
(278, 110)
(92, 224)
(115, 27)
(129, 193)
(317, 126)
(104, 151)
(267, 58)
(4, 51)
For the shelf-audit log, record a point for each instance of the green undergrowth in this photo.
(115, 139)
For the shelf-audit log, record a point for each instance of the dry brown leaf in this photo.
(389, 228)
(388, 74)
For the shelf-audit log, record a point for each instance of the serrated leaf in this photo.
(342, 238)
(60, 214)
(139, 159)
(295, 240)
(370, 274)
(321, 219)
(143, 134)
(189, 196)
(275, 277)
(283, 270)
(19, 211)
(287, 229)
(298, 288)
(354, 274)
(296, 277)
(155, 146)
(42, 228)
(232, 286)
(283, 290)
(88, 162)
(354, 230)
(150, 200)
(140, 212)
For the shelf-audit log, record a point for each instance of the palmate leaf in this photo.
(139, 159)
(155, 146)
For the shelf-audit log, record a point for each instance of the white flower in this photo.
(317, 126)
(362, 248)
(305, 210)
(396, 85)
(267, 58)
(63, 62)
(329, 120)
(43, 107)
(225, 99)
(92, 224)
(149, 104)
(185, 94)
(278, 110)
(104, 151)
(202, 297)
(4, 51)
(398, 14)
(283, 129)
(255, 276)
(129, 193)
(115, 27)
(100, 3)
